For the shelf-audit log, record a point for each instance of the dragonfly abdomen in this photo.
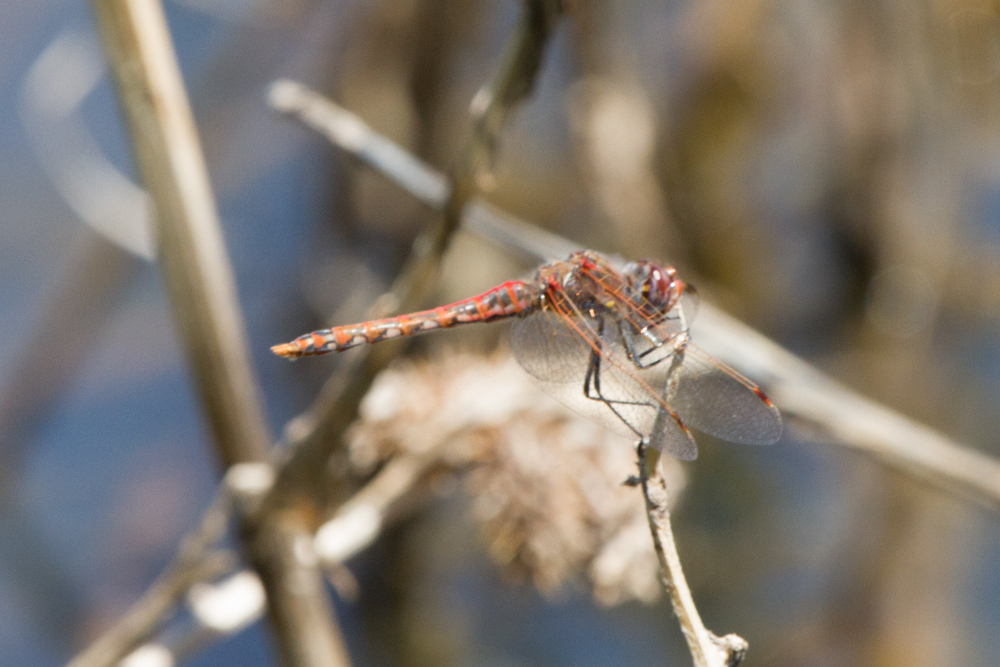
(510, 299)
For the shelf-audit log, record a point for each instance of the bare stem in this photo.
(201, 287)
(493, 104)
(707, 649)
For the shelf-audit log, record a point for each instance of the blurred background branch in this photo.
(801, 391)
(315, 435)
(202, 289)
(198, 559)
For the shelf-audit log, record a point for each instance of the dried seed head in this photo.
(546, 485)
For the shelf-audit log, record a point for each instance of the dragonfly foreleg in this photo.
(645, 358)
(592, 391)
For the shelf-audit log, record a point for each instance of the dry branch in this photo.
(202, 292)
(196, 560)
(200, 284)
(315, 435)
(800, 390)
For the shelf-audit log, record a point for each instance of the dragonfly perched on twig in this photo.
(622, 334)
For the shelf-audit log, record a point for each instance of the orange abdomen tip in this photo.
(287, 350)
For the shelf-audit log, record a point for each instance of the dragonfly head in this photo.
(658, 284)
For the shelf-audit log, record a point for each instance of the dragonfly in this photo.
(612, 344)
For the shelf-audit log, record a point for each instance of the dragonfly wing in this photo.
(637, 365)
(557, 355)
(670, 436)
(714, 398)
(581, 362)
(548, 350)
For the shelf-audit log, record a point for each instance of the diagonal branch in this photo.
(847, 417)
(197, 560)
(494, 104)
(800, 390)
(314, 436)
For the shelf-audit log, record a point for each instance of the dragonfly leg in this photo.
(592, 391)
(642, 360)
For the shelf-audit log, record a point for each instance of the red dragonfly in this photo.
(624, 334)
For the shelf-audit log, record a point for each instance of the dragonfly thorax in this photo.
(654, 286)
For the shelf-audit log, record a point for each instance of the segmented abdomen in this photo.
(509, 299)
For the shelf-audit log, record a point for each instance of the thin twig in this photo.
(494, 104)
(800, 390)
(707, 649)
(197, 560)
(201, 288)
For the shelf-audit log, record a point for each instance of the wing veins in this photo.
(615, 363)
(629, 310)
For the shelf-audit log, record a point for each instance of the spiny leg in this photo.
(640, 358)
(592, 381)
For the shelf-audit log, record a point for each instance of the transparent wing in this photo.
(581, 361)
(704, 392)
(689, 304)
(712, 397)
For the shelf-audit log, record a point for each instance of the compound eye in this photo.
(661, 285)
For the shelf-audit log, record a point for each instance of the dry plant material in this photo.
(802, 391)
(546, 485)
(200, 284)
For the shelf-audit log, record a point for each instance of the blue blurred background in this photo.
(830, 172)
